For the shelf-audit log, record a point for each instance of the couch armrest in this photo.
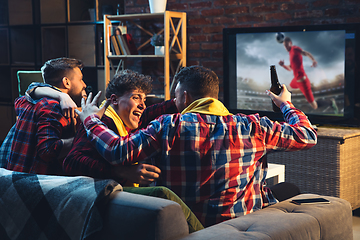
(134, 216)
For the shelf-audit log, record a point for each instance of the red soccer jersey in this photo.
(296, 62)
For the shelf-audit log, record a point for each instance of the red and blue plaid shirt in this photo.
(214, 163)
(84, 159)
(37, 137)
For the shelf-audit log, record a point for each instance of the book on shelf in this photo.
(130, 43)
(123, 45)
(114, 46)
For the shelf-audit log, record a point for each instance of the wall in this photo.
(206, 19)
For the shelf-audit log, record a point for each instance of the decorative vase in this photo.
(157, 6)
(159, 50)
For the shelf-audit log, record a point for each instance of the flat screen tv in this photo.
(333, 82)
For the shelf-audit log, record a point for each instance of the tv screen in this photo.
(316, 63)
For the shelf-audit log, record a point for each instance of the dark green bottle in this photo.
(275, 86)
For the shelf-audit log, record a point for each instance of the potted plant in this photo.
(157, 40)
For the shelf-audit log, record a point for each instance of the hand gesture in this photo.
(139, 173)
(281, 62)
(89, 107)
(67, 105)
(284, 96)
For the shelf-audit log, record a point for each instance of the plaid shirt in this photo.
(213, 163)
(37, 137)
(5, 148)
(84, 159)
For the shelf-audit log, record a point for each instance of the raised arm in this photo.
(156, 110)
(309, 55)
(67, 104)
(83, 159)
(296, 133)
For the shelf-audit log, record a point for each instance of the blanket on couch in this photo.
(51, 207)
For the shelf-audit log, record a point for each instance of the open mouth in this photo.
(137, 114)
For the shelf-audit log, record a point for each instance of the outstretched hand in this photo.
(89, 107)
(284, 96)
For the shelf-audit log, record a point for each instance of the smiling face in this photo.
(130, 107)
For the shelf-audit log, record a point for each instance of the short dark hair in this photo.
(198, 81)
(54, 70)
(127, 80)
(287, 39)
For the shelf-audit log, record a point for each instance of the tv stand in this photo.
(332, 167)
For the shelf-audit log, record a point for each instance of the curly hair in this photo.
(128, 80)
(198, 81)
(54, 70)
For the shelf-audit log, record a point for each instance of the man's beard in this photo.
(77, 98)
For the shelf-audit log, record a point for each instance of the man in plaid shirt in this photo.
(127, 92)
(210, 158)
(42, 135)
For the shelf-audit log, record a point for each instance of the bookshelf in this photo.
(174, 30)
(34, 31)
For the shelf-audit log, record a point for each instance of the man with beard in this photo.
(42, 135)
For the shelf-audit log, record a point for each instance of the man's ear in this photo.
(66, 83)
(187, 98)
(114, 99)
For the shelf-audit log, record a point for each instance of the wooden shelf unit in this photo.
(174, 42)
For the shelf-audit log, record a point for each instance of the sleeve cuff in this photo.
(90, 120)
(285, 106)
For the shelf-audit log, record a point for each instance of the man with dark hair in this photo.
(212, 159)
(127, 111)
(42, 135)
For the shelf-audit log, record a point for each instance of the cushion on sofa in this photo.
(286, 221)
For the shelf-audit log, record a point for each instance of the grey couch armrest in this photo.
(286, 221)
(134, 216)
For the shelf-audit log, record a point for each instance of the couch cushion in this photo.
(286, 221)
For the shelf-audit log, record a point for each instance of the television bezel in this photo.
(352, 116)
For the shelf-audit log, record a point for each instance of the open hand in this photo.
(89, 107)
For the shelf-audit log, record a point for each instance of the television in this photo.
(333, 82)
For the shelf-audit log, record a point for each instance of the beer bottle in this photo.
(275, 86)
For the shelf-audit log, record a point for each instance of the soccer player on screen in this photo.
(300, 79)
